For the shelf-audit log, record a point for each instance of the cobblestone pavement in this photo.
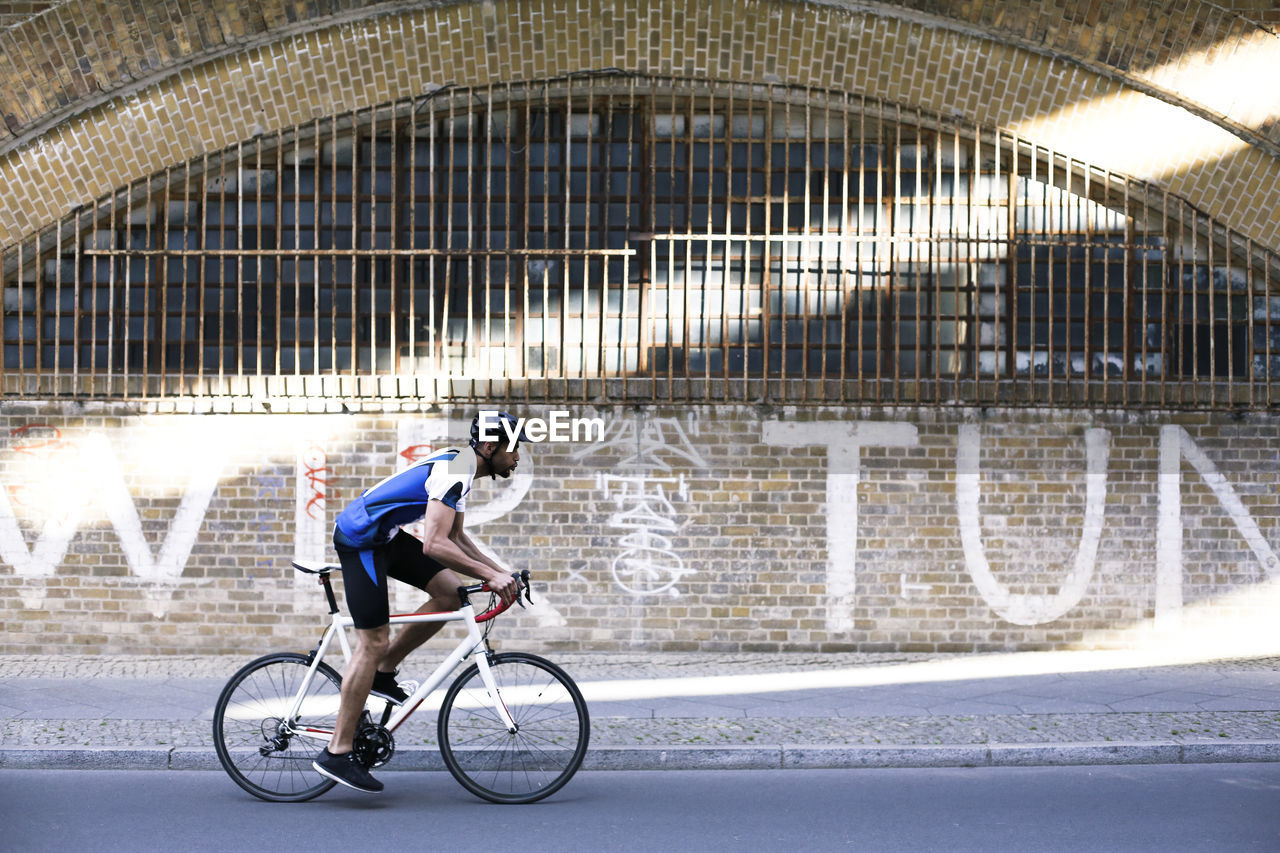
(708, 700)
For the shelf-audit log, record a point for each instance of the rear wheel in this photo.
(522, 766)
(259, 748)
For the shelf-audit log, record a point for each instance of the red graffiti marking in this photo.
(47, 444)
(417, 451)
(316, 462)
(46, 441)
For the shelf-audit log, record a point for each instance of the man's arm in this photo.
(459, 536)
(439, 543)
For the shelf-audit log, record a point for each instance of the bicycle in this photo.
(512, 727)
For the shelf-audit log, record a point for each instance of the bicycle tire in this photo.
(538, 759)
(244, 725)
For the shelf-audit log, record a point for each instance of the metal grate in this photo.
(609, 238)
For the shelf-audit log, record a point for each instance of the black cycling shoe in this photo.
(346, 770)
(385, 687)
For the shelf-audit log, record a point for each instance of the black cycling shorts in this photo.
(401, 558)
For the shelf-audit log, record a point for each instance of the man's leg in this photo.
(444, 597)
(371, 646)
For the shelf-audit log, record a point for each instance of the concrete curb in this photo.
(683, 757)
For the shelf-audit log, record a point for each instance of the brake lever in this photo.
(528, 590)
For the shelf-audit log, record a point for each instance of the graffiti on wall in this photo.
(845, 441)
(65, 476)
(641, 490)
(1030, 608)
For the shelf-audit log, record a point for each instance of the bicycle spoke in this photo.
(537, 759)
(250, 718)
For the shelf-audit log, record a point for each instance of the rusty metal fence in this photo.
(610, 238)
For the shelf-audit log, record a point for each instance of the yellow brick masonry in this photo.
(137, 96)
(723, 544)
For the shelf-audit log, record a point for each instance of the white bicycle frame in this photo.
(472, 644)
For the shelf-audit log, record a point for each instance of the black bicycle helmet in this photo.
(493, 422)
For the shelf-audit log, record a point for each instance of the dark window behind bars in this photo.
(617, 239)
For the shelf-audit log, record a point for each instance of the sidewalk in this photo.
(706, 710)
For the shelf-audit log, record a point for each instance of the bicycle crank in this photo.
(373, 745)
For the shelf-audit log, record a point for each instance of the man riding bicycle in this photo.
(371, 547)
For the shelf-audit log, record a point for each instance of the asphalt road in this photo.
(1217, 807)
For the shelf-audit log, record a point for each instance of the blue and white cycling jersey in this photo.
(373, 518)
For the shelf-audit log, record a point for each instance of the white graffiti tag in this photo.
(1030, 609)
(649, 565)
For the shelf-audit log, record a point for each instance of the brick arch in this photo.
(182, 84)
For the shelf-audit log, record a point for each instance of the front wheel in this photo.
(538, 758)
(267, 752)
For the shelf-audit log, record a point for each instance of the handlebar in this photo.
(522, 590)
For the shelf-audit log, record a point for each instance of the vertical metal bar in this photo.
(411, 259)
(374, 284)
(824, 259)
(842, 235)
(959, 257)
(586, 243)
(882, 246)
(1195, 304)
(477, 350)
(1269, 327)
(1126, 301)
(728, 142)
(332, 267)
(806, 240)
(993, 234)
(355, 245)
(508, 147)
(125, 359)
(1228, 320)
(626, 277)
(972, 284)
(1167, 272)
(1145, 304)
(933, 251)
(57, 309)
(1031, 303)
(434, 330)
(602, 239)
(6, 387)
(446, 309)
(393, 259)
(202, 238)
(77, 236)
(1048, 232)
(546, 242)
(22, 314)
(747, 261)
(894, 288)
(671, 254)
(859, 243)
(317, 202)
(766, 283)
(704, 321)
(184, 330)
(566, 224)
(1089, 287)
(259, 284)
(914, 248)
(238, 318)
(526, 282)
(1249, 331)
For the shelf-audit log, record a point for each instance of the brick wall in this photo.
(728, 528)
(1147, 89)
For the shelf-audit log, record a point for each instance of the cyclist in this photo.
(371, 548)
